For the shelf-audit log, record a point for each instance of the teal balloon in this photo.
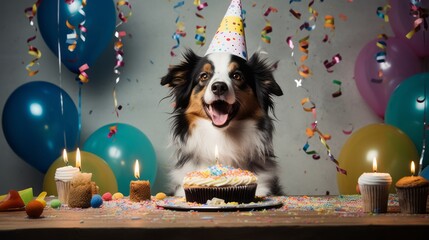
(121, 150)
(407, 109)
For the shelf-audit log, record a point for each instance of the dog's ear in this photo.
(263, 73)
(179, 75)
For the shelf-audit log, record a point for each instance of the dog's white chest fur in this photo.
(235, 143)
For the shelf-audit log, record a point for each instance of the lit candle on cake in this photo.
(139, 189)
(374, 187)
(78, 160)
(217, 155)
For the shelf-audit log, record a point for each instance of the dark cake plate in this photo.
(180, 204)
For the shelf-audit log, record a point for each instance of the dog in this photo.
(223, 100)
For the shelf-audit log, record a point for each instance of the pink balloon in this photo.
(400, 63)
(402, 22)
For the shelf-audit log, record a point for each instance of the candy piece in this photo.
(34, 209)
(107, 196)
(12, 201)
(160, 196)
(55, 203)
(96, 201)
(117, 196)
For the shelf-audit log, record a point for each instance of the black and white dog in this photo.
(221, 99)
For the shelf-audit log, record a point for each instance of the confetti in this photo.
(329, 64)
(338, 92)
(421, 15)
(30, 13)
(200, 31)
(382, 12)
(268, 28)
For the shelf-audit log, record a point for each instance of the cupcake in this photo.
(224, 182)
(374, 188)
(81, 191)
(412, 194)
(63, 176)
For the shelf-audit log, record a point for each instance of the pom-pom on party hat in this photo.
(230, 37)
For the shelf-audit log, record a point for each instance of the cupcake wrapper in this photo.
(240, 194)
(413, 200)
(375, 198)
(63, 189)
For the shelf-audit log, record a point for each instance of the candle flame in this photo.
(78, 160)
(413, 168)
(137, 169)
(374, 165)
(65, 158)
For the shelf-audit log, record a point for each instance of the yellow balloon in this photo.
(391, 147)
(102, 174)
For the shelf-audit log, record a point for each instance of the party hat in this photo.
(230, 37)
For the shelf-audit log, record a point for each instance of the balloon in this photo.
(400, 63)
(402, 23)
(100, 17)
(102, 174)
(425, 173)
(121, 150)
(407, 110)
(391, 147)
(35, 125)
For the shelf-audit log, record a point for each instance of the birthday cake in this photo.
(218, 181)
(412, 194)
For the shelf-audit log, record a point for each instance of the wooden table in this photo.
(300, 217)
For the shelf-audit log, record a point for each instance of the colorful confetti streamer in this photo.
(180, 28)
(314, 129)
(200, 31)
(268, 28)
(421, 15)
(122, 6)
(382, 12)
(30, 13)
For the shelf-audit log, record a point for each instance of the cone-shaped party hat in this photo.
(230, 37)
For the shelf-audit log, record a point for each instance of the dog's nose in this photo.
(219, 88)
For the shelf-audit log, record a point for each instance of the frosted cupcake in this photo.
(224, 182)
(63, 177)
(412, 194)
(374, 188)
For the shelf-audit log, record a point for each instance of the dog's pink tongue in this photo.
(218, 117)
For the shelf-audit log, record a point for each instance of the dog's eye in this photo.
(204, 76)
(236, 76)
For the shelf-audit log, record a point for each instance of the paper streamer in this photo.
(310, 132)
(122, 6)
(421, 15)
(200, 31)
(30, 13)
(382, 12)
(268, 28)
(180, 28)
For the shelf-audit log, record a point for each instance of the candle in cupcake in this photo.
(63, 177)
(412, 192)
(139, 189)
(374, 187)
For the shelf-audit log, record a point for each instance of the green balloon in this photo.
(408, 110)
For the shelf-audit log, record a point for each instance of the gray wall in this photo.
(147, 58)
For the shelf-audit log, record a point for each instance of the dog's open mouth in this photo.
(220, 112)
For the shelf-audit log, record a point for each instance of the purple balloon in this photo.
(400, 63)
(402, 22)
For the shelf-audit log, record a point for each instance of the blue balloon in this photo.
(425, 173)
(408, 109)
(99, 21)
(35, 125)
(121, 150)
